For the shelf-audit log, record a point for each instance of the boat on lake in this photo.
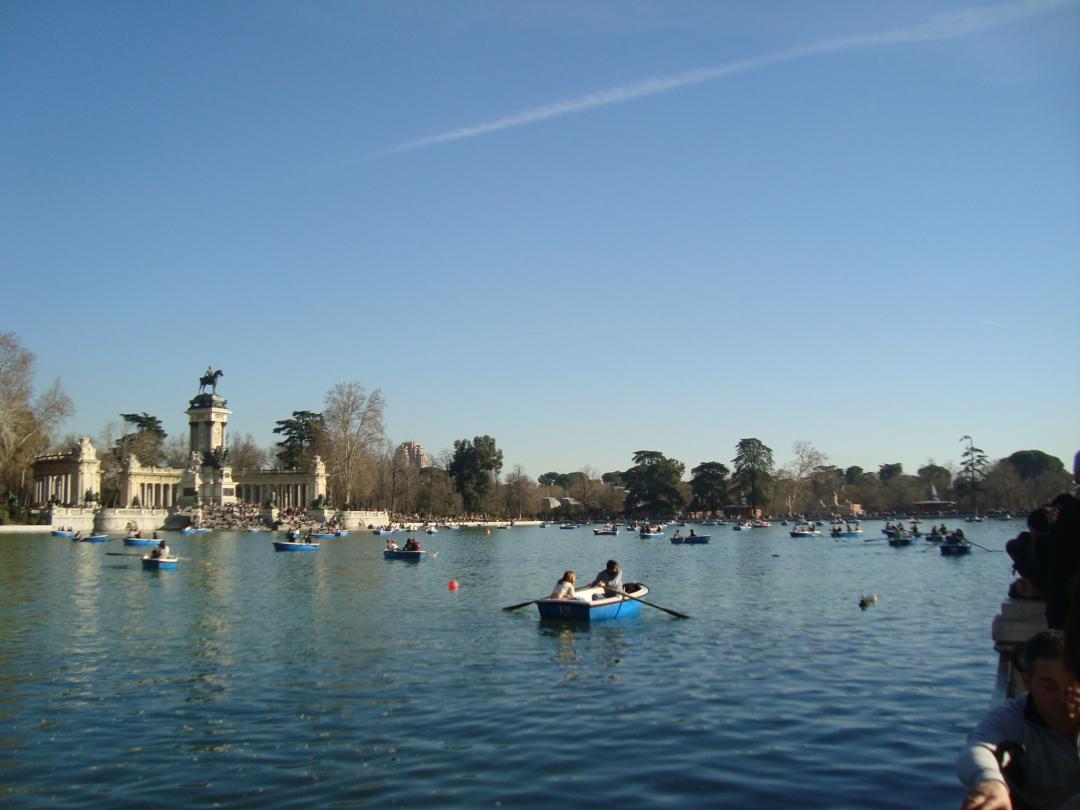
(607, 531)
(900, 540)
(140, 541)
(740, 527)
(416, 555)
(93, 538)
(190, 530)
(952, 549)
(847, 530)
(568, 526)
(286, 545)
(651, 532)
(152, 563)
(805, 530)
(690, 539)
(587, 609)
(383, 532)
(62, 533)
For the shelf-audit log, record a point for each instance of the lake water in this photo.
(250, 678)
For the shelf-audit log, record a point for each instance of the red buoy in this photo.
(452, 585)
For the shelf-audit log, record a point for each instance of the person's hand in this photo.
(1072, 700)
(988, 795)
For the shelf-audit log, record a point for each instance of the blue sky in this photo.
(585, 228)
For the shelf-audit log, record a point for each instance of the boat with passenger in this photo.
(805, 530)
(591, 605)
(194, 530)
(92, 538)
(63, 533)
(846, 530)
(692, 539)
(295, 545)
(143, 542)
(152, 563)
(651, 532)
(607, 530)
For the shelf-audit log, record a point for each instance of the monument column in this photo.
(208, 479)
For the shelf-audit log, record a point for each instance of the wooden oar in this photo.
(523, 604)
(674, 613)
(121, 554)
(984, 548)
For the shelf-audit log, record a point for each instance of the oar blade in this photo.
(521, 605)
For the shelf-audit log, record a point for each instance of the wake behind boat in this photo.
(590, 605)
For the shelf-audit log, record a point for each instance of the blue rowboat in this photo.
(159, 563)
(383, 532)
(140, 541)
(62, 533)
(568, 526)
(805, 533)
(189, 530)
(285, 545)
(896, 542)
(587, 609)
(856, 533)
(402, 554)
(954, 549)
(324, 536)
(93, 538)
(692, 540)
(341, 533)
(605, 532)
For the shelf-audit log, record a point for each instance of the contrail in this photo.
(952, 25)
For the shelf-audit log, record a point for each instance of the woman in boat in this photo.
(391, 545)
(564, 588)
(160, 551)
(412, 544)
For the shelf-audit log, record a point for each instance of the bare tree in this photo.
(807, 458)
(353, 421)
(25, 424)
(245, 454)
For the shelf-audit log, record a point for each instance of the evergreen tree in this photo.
(753, 470)
(710, 487)
(652, 484)
(475, 466)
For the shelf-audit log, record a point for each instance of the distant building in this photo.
(411, 454)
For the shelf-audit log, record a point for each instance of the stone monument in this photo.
(208, 478)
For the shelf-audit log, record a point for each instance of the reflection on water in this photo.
(337, 677)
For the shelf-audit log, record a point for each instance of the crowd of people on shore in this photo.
(1026, 752)
(237, 517)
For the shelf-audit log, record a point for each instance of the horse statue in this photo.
(210, 378)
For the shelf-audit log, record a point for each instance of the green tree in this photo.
(474, 467)
(1031, 464)
(613, 478)
(973, 467)
(709, 486)
(652, 484)
(147, 443)
(886, 472)
(753, 471)
(937, 476)
(302, 432)
(853, 475)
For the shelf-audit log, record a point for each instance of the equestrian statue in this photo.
(210, 378)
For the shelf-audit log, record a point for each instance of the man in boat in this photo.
(610, 578)
(160, 551)
(1035, 731)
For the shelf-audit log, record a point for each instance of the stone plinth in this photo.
(117, 520)
(80, 518)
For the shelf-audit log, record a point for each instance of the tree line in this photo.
(364, 472)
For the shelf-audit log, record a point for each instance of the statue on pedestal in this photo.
(210, 378)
